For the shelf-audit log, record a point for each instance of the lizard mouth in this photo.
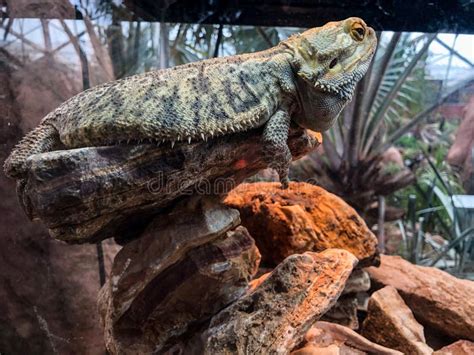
(342, 80)
(343, 85)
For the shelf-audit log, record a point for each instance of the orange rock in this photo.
(436, 298)
(322, 350)
(333, 339)
(257, 282)
(274, 318)
(301, 218)
(461, 347)
(390, 323)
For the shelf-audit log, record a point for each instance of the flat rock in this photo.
(325, 338)
(461, 347)
(275, 316)
(391, 323)
(301, 218)
(436, 298)
(184, 269)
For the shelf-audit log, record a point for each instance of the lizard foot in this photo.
(284, 183)
(275, 149)
(279, 158)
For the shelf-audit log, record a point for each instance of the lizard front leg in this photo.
(275, 147)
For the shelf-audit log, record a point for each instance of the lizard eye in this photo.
(358, 31)
(333, 63)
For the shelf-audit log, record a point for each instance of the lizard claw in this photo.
(283, 175)
(284, 183)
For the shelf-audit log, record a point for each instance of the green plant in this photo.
(434, 230)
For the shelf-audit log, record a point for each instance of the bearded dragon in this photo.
(306, 79)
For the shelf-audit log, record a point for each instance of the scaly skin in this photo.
(308, 79)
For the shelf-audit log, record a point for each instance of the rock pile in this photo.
(188, 284)
(89, 194)
(437, 299)
(259, 271)
(181, 271)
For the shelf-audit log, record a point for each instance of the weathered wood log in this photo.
(89, 194)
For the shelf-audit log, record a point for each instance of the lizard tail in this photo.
(43, 138)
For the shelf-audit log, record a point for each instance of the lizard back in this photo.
(192, 101)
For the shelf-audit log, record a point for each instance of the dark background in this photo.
(387, 15)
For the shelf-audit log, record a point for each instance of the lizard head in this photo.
(328, 62)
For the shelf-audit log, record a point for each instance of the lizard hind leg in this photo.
(43, 138)
(276, 151)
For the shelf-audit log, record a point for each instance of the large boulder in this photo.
(437, 299)
(391, 323)
(274, 317)
(301, 218)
